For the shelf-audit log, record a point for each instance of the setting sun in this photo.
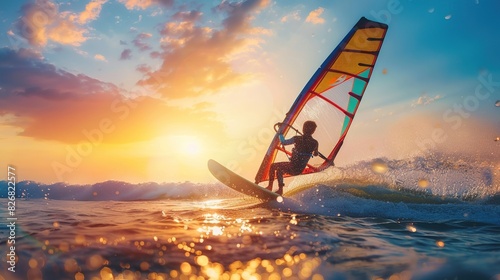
(191, 146)
(169, 145)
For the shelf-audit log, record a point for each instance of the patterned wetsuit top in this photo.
(303, 151)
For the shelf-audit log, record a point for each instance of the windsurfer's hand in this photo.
(282, 138)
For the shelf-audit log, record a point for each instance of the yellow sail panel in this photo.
(366, 39)
(330, 80)
(358, 55)
(353, 63)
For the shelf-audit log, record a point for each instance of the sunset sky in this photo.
(149, 90)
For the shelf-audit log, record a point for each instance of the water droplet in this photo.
(447, 17)
(79, 239)
(411, 228)
(144, 266)
(186, 268)
(384, 71)
(287, 272)
(106, 273)
(423, 183)
(440, 243)
(70, 265)
(431, 10)
(202, 260)
(33, 263)
(317, 277)
(79, 276)
(94, 262)
(497, 104)
(379, 166)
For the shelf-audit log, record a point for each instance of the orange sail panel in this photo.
(331, 97)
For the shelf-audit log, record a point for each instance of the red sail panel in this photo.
(331, 97)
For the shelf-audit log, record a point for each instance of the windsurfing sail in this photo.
(331, 97)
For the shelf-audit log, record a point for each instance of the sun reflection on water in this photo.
(194, 248)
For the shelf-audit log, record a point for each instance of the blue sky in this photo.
(217, 73)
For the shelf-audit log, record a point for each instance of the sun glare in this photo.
(191, 146)
(179, 145)
(182, 155)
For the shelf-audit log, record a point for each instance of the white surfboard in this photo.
(238, 183)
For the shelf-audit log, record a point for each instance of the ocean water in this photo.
(382, 219)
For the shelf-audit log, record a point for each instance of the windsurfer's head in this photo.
(309, 127)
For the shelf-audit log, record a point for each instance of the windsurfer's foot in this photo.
(280, 191)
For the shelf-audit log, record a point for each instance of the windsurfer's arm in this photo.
(315, 152)
(286, 141)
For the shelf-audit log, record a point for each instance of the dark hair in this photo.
(309, 127)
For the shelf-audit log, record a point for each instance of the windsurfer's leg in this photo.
(278, 169)
(283, 168)
(272, 172)
(279, 174)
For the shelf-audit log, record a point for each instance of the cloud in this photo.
(67, 33)
(126, 54)
(138, 20)
(92, 11)
(144, 4)
(36, 18)
(41, 21)
(291, 16)
(314, 17)
(143, 68)
(139, 41)
(197, 59)
(190, 16)
(100, 57)
(425, 100)
(52, 104)
(155, 55)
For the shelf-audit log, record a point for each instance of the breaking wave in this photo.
(432, 180)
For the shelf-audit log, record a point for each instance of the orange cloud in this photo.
(36, 18)
(92, 11)
(314, 17)
(53, 104)
(196, 59)
(100, 57)
(41, 21)
(67, 33)
(144, 4)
